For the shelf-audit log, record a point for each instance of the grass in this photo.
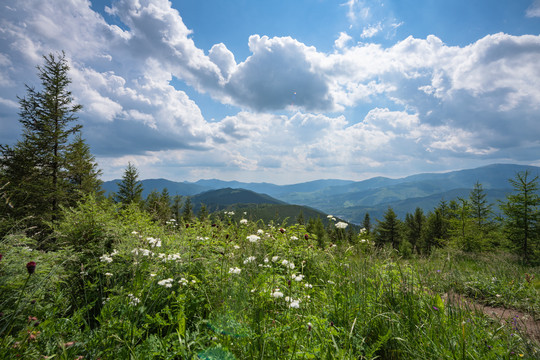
(248, 291)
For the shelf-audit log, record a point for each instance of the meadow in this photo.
(117, 285)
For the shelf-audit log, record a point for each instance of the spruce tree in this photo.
(480, 208)
(130, 188)
(82, 171)
(187, 214)
(414, 224)
(522, 210)
(35, 168)
(389, 230)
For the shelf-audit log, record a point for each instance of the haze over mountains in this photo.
(349, 200)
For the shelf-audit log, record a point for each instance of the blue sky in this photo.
(286, 91)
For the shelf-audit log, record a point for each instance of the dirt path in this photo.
(521, 321)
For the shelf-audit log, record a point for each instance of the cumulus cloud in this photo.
(418, 94)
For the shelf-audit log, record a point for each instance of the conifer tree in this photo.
(187, 214)
(522, 210)
(414, 224)
(82, 171)
(389, 229)
(130, 188)
(35, 168)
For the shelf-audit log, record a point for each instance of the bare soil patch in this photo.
(523, 322)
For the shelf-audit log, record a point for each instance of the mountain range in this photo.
(347, 199)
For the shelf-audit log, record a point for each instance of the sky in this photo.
(286, 91)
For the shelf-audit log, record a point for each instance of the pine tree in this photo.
(389, 230)
(366, 224)
(130, 188)
(480, 208)
(203, 213)
(522, 210)
(176, 207)
(35, 168)
(82, 170)
(414, 224)
(187, 214)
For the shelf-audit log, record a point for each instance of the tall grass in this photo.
(136, 290)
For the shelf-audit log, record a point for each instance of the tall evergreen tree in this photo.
(389, 230)
(480, 208)
(187, 214)
(414, 224)
(176, 206)
(366, 224)
(82, 171)
(522, 210)
(35, 168)
(130, 188)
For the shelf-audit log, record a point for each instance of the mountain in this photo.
(221, 199)
(149, 185)
(347, 199)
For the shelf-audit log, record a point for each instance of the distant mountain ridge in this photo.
(350, 200)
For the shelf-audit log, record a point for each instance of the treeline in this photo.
(469, 224)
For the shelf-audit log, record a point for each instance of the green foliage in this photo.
(136, 289)
(522, 210)
(44, 170)
(388, 231)
(130, 188)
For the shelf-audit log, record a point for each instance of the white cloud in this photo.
(371, 31)
(342, 40)
(534, 9)
(417, 95)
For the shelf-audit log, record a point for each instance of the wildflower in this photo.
(31, 267)
(341, 225)
(276, 294)
(243, 221)
(309, 325)
(308, 286)
(253, 238)
(294, 238)
(106, 258)
(108, 274)
(295, 304)
(282, 230)
(235, 270)
(152, 275)
(306, 236)
(183, 282)
(249, 259)
(236, 247)
(133, 300)
(154, 242)
(266, 260)
(329, 216)
(285, 263)
(166, 282)
(275, 258)
(260, 231)
(435, 308)
(362, 230)
(1, 256)
(134, 233)
(115, 252)
(298, 277)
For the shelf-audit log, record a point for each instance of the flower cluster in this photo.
(166, 282)
(133, 300)
(235, 270)
(249, 260)
(276, 294)
(341, 225)
(154, 242)
(288, 264)
(253, 238)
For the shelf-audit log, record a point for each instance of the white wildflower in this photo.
(243, 221)
(133, 300)
(308, 286)
(108, 274)
(294, 238)
(253, 238)
(275, 258)
(249, 259)
(260, 231)
(166, 282)
(295, 304)
(235, 270)
(298, 278)
(183, 282)
(276, 294)
(106, 258)
(341, 225)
